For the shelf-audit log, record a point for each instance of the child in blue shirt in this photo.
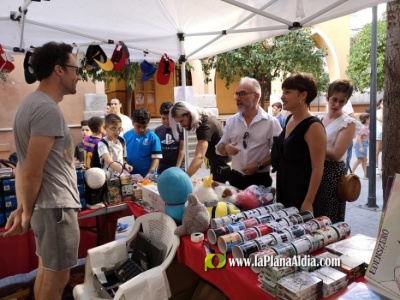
(143, 145)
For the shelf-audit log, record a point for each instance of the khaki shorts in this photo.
(57, 237)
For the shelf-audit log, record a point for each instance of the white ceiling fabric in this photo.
(153, 25)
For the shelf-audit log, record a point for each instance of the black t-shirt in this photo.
(169, 146)
(210, 130)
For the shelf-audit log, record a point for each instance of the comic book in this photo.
(383, 273)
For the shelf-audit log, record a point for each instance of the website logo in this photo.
(208, 261)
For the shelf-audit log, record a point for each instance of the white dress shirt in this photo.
(261, 130)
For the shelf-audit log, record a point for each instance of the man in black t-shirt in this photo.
(208, 131)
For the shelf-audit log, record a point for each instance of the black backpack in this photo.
(95, 161)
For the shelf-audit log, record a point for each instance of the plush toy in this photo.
(95, 178)
(226, 193)
(195, 218)
(255, 196)
(218, 209)
(205, 191)
(174, 186)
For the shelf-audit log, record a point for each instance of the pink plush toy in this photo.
(255, 196)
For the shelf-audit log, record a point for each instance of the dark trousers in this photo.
(221, 173)
(241, 181)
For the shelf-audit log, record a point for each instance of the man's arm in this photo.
(28, 184)
(198, 159)
(181, 154)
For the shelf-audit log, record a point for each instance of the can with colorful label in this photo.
(244, 250)
(302, 245)
(249, 234)
(286, 249)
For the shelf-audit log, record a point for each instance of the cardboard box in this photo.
(150, 195)
(206, 291)
(182, 280)
(114, 191)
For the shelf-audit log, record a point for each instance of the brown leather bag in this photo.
(349, 187)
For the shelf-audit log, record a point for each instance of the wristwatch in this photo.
(260, 166)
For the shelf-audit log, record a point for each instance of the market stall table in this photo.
(235, 282)
(18, 252)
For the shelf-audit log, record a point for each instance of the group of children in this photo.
(138, 151)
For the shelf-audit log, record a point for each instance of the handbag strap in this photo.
(336, 168)
(116, 162)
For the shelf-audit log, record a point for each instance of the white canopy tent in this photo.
(186, 29)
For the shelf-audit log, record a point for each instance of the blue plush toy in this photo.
(174, 186)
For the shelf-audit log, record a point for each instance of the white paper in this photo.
(105, 257)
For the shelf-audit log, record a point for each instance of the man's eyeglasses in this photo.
(335, 100)
(115, 129)
(76, 68)
(245, 137)
(242, 93)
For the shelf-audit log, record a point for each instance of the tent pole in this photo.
(68, 31)
(231, 28)
(259, 11)
(182, 60)
(372, 153)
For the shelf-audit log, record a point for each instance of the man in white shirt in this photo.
(126, 125)
(248, 136)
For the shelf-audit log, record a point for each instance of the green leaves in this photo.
(270, 59)
(127, 73)
(360, 56)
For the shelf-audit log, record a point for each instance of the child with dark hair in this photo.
(173, 151)
(276, 112)
(361, 146)
(96, 125)
(112, 149)
(79, 152)
(143, 145)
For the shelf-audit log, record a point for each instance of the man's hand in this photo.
(250, 169)
(17, 223)
(231, 149)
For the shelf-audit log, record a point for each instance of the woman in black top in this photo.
(298, 153)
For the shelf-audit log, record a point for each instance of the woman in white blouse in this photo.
(340, 129)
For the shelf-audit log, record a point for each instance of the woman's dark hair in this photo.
(165, 108)
(364, 118)
(302, 82)
(46, 57)
(378, 105)
(341, 86)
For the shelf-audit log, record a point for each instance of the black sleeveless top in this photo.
(292, 161)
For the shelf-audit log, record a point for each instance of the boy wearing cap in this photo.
(143, 145)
